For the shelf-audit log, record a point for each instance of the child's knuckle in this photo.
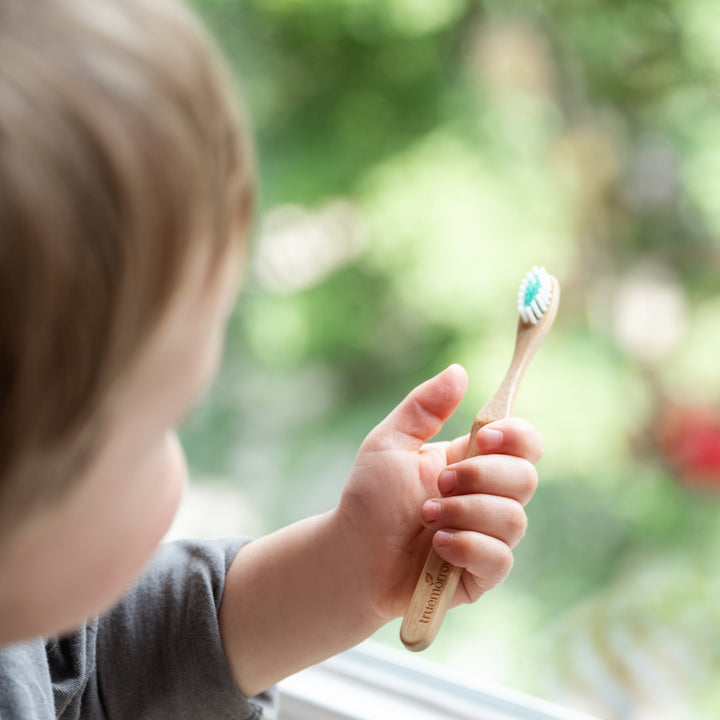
(500, 561)
(517, 520)
(528, 477)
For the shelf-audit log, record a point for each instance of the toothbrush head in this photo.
(535, 295)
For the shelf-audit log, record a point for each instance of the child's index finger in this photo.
(511, 436)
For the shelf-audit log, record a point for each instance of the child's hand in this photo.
(323, 584)
(404, 494)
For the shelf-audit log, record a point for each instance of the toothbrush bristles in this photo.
(534, 295)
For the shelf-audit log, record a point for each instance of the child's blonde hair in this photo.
(121, 151)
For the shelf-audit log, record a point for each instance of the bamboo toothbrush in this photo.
(538, 300)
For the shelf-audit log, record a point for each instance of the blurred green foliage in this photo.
(415, 159)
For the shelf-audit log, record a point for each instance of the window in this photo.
(373, 683)
(415, 160)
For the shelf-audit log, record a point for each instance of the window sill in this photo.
(374, 683)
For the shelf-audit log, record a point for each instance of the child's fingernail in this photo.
(489, 439)
(442, 537)
(446, 482)
(431, 511)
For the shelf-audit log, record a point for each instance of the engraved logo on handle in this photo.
(437, 584)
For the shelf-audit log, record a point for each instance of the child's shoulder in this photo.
(151, 639)
(25, 684)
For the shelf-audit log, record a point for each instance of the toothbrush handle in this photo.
(439, 579)
(429, 603)
(437, 582)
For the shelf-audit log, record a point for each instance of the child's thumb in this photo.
(421, 415)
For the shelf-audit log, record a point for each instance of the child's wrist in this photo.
(350, 568)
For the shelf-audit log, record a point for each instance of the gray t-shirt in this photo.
(157, 655)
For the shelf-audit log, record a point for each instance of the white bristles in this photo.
(534, 295)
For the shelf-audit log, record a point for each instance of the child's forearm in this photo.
(292, 599)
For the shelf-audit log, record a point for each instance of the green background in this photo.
(415, 160)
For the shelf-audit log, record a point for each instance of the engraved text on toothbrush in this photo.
(437, 584)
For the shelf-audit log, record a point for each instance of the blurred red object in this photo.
(688, 438)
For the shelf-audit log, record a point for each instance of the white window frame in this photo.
(371, 682)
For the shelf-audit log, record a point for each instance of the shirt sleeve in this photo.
(159, 654)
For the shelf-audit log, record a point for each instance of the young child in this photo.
(126, 190)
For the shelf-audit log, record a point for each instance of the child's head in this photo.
(125, 189)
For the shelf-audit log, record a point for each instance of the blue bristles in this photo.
(534, 295)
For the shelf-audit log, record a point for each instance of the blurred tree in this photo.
(415, 160)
